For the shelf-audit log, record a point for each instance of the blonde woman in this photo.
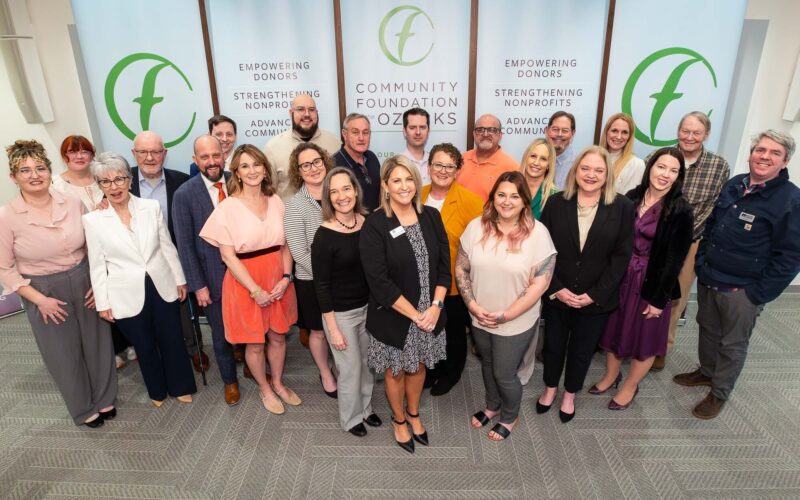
(538, 166)
(618, 139)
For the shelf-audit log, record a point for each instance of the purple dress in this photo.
(627, 333)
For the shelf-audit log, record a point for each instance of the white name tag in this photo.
(747, 217)
(399, 230)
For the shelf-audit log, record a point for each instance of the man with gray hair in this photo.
(356, 156)
(750, 252)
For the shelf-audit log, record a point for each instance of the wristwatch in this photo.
(289, 277)
(439, 304)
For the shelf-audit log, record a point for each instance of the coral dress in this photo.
(260, 245)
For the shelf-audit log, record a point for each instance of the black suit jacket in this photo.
(598, 269)
(391, 271)
(173, 180)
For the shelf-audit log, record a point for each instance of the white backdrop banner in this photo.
(265, 54)
(146, 70)
(535, 58)
(682, 60)
(404, 54)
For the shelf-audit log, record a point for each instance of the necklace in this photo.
(644, 206)
(350, 228)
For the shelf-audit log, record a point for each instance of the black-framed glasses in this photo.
(315, 163)
(443, 167)
(155, 153)
(118, 181)
(487, 130)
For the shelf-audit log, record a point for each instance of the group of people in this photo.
(388, 267)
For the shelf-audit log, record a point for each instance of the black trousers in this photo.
(569, 339)
(455, 331)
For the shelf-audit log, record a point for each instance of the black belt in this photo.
(258, 253)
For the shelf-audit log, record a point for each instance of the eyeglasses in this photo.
(315, 163)
(145, 153)
(302, 110)
(560, 131)
(25, 172)
(487, 130)
(82, 152)
(439, 167)
(118, 181)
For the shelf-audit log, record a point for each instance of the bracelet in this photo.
(255, 292)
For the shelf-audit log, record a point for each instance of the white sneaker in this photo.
(131, 353)
(120, 362)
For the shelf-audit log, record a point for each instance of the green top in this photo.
(536, 201)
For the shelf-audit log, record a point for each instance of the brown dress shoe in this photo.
(232, 394)
(305, 333)
(658, 364)
(692, 379)
(709, 407)
(196, 361)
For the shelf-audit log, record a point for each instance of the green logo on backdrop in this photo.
(148, 99)
(666, 95)
(404, 46)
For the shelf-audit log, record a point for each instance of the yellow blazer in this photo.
(459, 208)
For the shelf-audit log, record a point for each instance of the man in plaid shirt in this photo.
(706, 173)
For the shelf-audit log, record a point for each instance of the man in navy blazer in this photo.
(202, 264)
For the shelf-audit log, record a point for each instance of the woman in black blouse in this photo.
(336, 260)
(406, 258)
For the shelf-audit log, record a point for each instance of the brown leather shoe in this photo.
(232, 394)
(196, 362)
(658, 364)
(709, 407)
(305, 333)
(692, 379)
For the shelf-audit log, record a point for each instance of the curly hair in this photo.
(22, 150)
(295, 179)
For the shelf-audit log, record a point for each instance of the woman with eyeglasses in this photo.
(138, 280)
(308, 165)
(43, 260)
(78, 153)
(458, 206)
(258, 299)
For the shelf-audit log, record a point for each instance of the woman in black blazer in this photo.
(592, 230)
(406, 259)
(638, 329)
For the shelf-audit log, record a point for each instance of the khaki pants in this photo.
(685, 280)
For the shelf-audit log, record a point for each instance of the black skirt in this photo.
(308, 313)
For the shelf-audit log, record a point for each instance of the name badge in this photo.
(747, 217)
(399, 230)
(748, 227)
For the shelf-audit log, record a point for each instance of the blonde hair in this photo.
(627, 150)
(548, 183)
(21, 150)
(399, 161)
(571, 184)
(235, 184)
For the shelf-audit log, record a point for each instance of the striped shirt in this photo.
(302, 219)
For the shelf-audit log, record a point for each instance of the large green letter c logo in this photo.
(403, 36)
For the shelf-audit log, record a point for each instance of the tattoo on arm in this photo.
(463, 279)
(545, 268)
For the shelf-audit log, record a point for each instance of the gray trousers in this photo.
(726, 321)
(79, 352)
(355, 378)
(526, 366)
(500, 358)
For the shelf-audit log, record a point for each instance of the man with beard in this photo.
(202, 264)
(484, 164)
(560, 131)
(224, 129)
(305, 128)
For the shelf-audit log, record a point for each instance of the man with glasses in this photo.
(356, 156)
(305, 128)
(152, 181)
(416, 127)
(560, 131)
(484, 164)
(706, 173)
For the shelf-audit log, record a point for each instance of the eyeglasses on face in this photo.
(25, 172)
(443, 167)
(315, 163)
(487, 130)
(118, 181)
(144, 153)
(82, 152)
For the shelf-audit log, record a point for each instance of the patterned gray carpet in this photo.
(656, 449)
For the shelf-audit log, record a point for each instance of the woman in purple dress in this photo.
(662, 236)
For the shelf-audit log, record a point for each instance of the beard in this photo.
(213, 178)
(305, 133)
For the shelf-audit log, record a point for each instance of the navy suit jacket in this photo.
(201, 261)
(173, 180)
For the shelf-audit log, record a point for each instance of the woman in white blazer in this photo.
(137, 280)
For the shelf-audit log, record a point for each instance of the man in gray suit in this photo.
(202, 264)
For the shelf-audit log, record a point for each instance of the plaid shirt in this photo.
(702, 185)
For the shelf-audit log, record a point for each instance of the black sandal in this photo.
(482, 419)
(407, 445)
(501, 430)
(420, 438)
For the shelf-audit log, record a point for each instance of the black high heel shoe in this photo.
(407, 445)
(110, 414)
(331, 394)
(420, 438)
(540, 408)
(94, 424)
(613, 405)
(594, 390)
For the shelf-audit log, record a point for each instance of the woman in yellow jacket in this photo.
(458, 207)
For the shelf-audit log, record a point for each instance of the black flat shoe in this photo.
(331, 394)
(540, 408)
(565, 417)
(110, 414)
(358, 430)
(94, 424)
(420, 438)
(373, 420)
(407, 445)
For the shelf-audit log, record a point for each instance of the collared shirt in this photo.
(702, 185)
(158, 193)
(372, 166)
(422, 165)
(480, 177)
(564, 162)
(31, 244)
(213, 192)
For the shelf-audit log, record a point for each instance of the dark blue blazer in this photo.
(202, 263)
(172, 180)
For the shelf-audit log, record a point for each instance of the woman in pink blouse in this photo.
(43, 259)
(258, 298)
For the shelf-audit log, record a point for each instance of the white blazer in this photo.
(118, 262)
